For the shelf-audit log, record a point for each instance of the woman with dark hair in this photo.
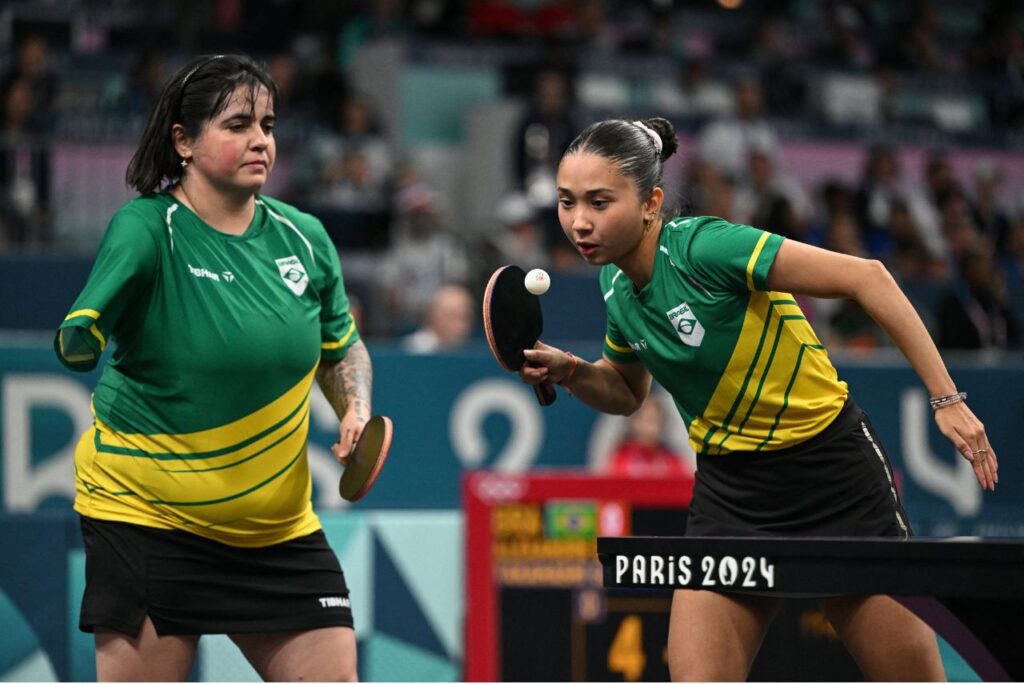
(193, 485)
(704, 306)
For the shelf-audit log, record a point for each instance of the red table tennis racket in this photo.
(367, 459)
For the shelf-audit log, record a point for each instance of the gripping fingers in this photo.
(533, 375)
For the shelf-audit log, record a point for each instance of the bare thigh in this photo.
(888, 641)
(715, 637)
(324, 655)
(146, 657)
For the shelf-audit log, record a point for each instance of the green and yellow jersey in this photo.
(202, 413)
(743, 364)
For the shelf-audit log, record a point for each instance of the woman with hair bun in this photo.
(706, 307)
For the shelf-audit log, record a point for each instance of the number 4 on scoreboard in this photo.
(626, 654)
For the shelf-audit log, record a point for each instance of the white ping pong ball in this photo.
(537, 281)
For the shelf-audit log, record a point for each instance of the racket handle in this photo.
(545, 392)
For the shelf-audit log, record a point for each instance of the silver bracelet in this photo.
(947, 400)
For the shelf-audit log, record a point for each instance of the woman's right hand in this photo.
(545, 362)
(960, 426)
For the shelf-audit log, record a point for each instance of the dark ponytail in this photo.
(196, 94)
(632, 147)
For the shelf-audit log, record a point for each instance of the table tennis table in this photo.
(970, 590)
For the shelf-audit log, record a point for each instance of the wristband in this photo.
(572, 370)
(947, 400)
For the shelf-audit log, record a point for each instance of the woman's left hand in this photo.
(348, 434)
(959, 424)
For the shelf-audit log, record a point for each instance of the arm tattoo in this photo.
(348, 383)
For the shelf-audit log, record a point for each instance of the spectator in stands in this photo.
(378, 19)
(518, 238)
(32, 67)
(643, 451)
(1012, 263)
(540, 137)
(924, 203)
(848, 324)
(24, 167)
(593, 30)
(777, 54)
(346, 172)
(987, 210)
(707, 192)
(845, 47)
(545, 128)
(354, 128)
(135, 93)
(692, 92)
(975, 312)
(957, 224)
(907, 256)
(423, 256)
(726, 143)
(284, 69)
(998, 53)
(447, 324)
(921, 48)
(771, 198)
(872, 203)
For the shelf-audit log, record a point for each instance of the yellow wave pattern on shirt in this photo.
(221, 440)
(246, 483)
(779, 387)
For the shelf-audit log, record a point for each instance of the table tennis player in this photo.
(706, 307)
(193, 485)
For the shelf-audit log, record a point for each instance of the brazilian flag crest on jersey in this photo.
(294, 274)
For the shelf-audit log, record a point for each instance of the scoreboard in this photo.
(536, 607)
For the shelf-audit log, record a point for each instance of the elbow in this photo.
(631, 407)
(878, 269)
(874, 277)
(324, 368)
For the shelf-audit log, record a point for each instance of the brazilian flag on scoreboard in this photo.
(571, 520)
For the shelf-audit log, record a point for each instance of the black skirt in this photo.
(187, 584)
(839, 483)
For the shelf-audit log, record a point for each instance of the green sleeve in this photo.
(337, 327)
(731, 256)
(125, 268)
(616, 347)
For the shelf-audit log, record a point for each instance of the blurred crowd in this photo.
(947, 72)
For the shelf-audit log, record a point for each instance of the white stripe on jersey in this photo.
(611, 290)
(693, 281)
(170, 231)
(291, 225)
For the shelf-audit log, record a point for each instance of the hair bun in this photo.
(667, 134)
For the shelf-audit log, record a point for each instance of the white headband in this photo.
(197, 67)
(655, 138)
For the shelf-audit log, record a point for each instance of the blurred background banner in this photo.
(458, 412)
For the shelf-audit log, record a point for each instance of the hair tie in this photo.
(652, 133)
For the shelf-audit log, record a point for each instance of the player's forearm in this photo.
(885, 302)
(348, 384)
(600, 386)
